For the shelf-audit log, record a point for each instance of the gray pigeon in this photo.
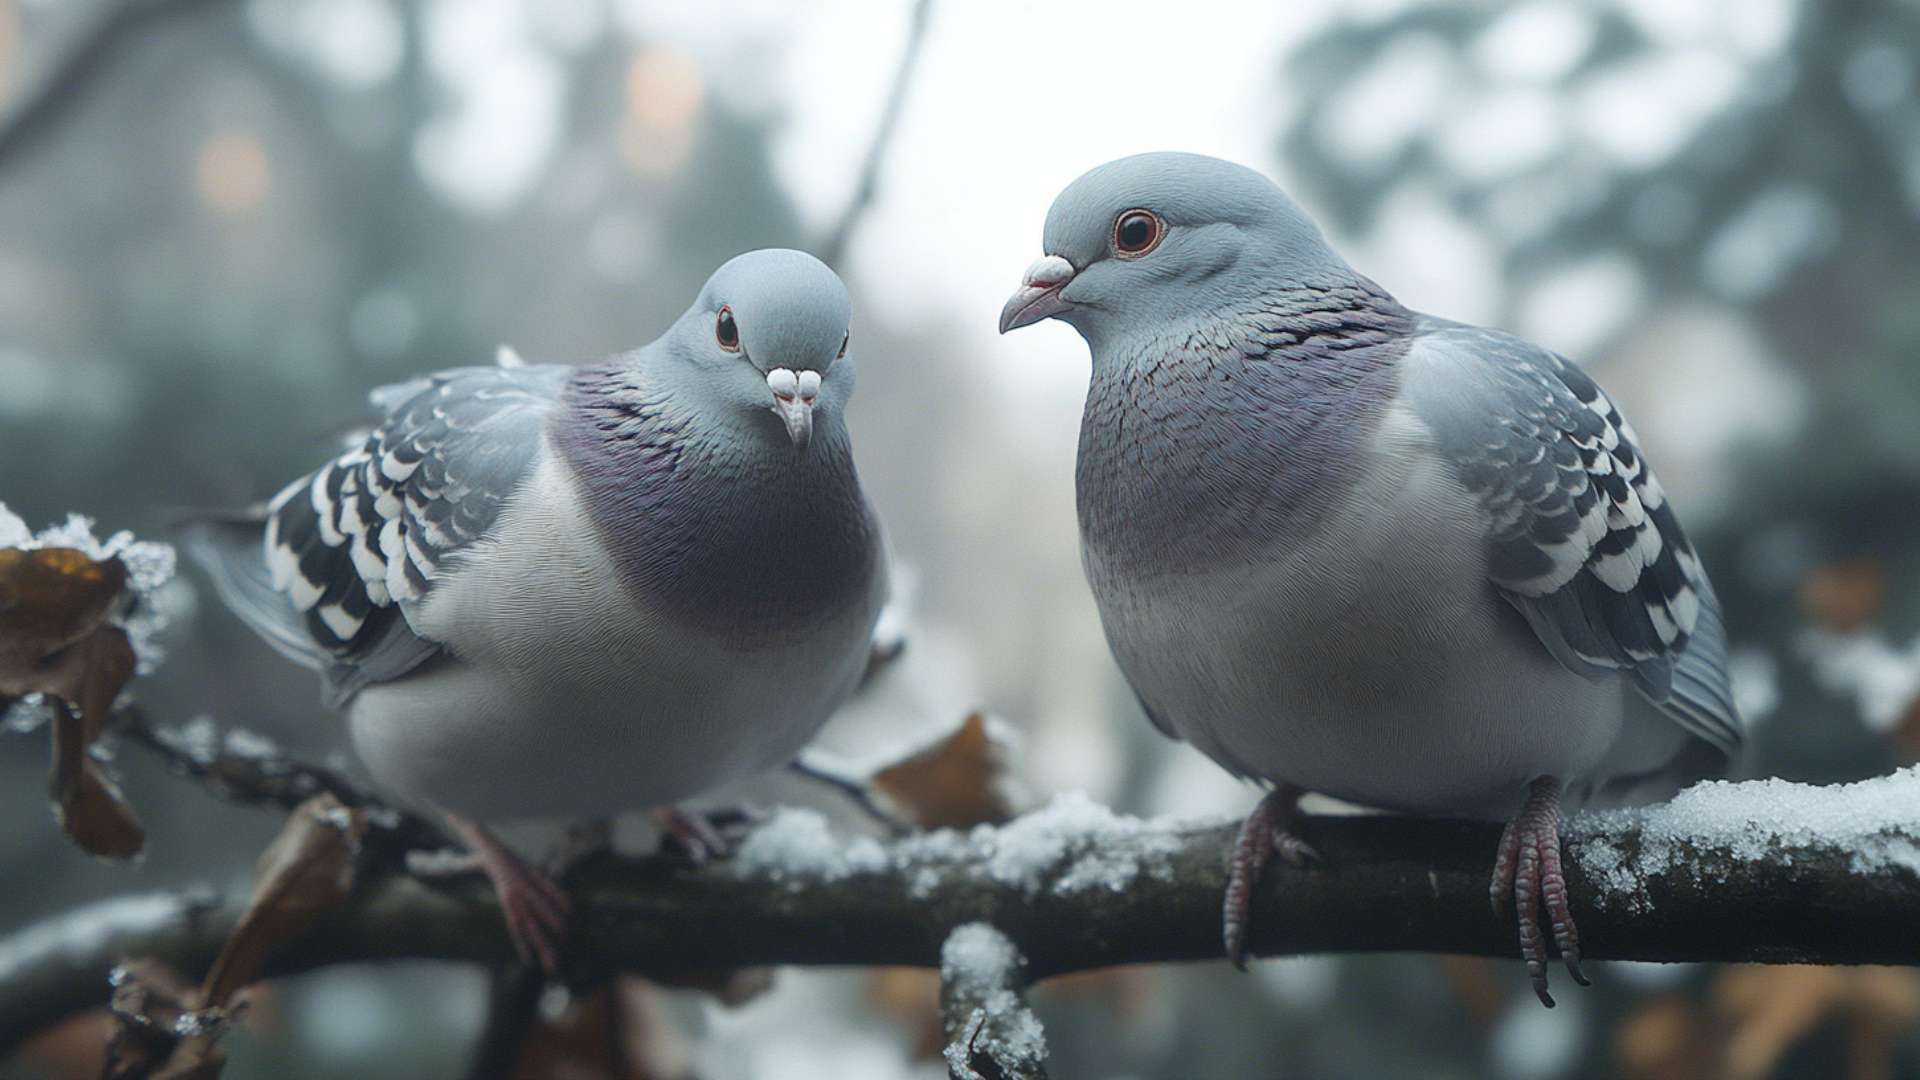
(556, 592)
(1345, 547)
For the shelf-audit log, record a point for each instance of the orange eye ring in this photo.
(1137, 232)
(725, 331)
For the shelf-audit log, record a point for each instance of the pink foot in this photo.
(535, 908)
(1528, 869)
(1267, 832)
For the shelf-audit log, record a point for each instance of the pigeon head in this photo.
(1161, 237)
(768, 336)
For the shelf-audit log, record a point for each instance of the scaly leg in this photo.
(1528, 869)
(1267, 832)
(535, 908)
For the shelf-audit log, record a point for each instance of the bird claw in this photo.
(1528, 869)
(702, 837)
(534, 907)
(1264, 834)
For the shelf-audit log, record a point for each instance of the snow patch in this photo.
(1072, 842)
(797, 843)
(1876, 822)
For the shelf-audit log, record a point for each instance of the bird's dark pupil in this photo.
(1134, 232)
(727, 334)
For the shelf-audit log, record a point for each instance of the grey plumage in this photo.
(547, 591)
(1345, 547)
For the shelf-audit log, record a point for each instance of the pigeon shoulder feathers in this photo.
(358, 543)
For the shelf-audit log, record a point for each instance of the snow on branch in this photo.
(990, 1030)
(1761, 871)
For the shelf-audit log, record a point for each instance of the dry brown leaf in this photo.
(168, 1033)
(307, 870)
(620, 1031)
(149, 1002)
(1906, 734)
(51, 598)
(1773, 1008)
(1844, 597)
(958, 782)
(910, 996)
(1666, 1038)
(1477, 987)
(74, 1049)
(55, 640)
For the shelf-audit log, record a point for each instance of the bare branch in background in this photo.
(85, 48)
(832, 247)
(513, 1005)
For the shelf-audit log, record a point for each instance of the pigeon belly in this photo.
(1366, 657)
(564, 697)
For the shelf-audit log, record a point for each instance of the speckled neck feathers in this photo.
(722, 529)
(1206, 440)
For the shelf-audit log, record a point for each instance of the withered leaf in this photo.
(307, 870)
(621, 1029)
(49, 599)
(1771, 1009)
(1844, 597)
(957, 782)
(55, 640)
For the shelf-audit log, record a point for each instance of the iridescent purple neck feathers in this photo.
(1217, 437)
(718, 525)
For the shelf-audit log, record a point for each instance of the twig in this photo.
(513, 1005)
(857, 791)
(991, 1033)
(267, 779)
(833, 245)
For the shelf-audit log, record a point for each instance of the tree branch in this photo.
(991, 1033)
(1072, 890)
(833, 245)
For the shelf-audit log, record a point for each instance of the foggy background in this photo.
(222, 222)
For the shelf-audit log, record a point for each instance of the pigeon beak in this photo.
(793, 398)
(1039, 294)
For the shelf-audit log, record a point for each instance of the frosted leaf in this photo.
(154, 599)
(1875, 822)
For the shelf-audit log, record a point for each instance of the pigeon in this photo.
(548, 592)
(1344, 547)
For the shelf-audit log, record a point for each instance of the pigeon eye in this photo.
(725, 332)
(1137, 232)
(843, 345)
